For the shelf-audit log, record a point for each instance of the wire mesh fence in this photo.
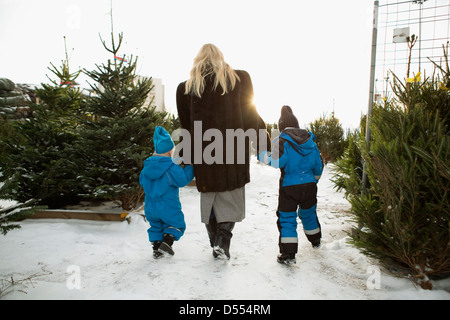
(426, 20)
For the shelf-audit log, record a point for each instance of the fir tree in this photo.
(16, 213)
(35, 160)
(404, 217)
(330, 137)
(117, 131)
(348, 168)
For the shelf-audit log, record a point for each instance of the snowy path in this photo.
(115, 261)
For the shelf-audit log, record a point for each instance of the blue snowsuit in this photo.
(161, 179)
(297, 156)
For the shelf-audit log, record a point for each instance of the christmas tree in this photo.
(15, 213)
(36, 162)
(348, 168)
(117, 130)
(403, 218)
(330, 137)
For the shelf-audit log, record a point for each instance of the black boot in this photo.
(166, 245)
(286, 258)
(315, 238)
(287, 252)
(156, 253)
(223, 239)
(316, 244)
(211, 227)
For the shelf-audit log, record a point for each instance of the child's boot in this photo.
(315, 239)
(316, 244)
(156, 253)
(166, 245)
(286, 258)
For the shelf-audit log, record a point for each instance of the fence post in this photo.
(371, 89)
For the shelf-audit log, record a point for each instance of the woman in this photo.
(220, 98)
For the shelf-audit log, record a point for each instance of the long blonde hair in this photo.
(208, 61)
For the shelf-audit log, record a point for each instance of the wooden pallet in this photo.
(80, 214)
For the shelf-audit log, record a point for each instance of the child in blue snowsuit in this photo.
(297, 156)
(161, 179)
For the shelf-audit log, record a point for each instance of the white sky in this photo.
(301, 53)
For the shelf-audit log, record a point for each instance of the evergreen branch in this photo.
(15, 213)
(6, 216)
(9, 282)
(104, 44)
(2, 211)
(436, 65)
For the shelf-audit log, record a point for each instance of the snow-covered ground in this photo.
(74, 259)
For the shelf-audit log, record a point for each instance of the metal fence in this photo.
(428, 21)
(394, 24)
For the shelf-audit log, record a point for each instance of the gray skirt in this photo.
(229, 206)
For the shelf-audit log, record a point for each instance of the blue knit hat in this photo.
(162, 140)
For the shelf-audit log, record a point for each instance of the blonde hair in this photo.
(208, 61)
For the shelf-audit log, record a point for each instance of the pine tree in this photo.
(35, 160)
(117, 131)
(16, 213)
(330, 137)
(348, 168)
(404, 217)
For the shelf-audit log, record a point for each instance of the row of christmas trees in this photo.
(403, 214)
(76, 144)
(73, 146)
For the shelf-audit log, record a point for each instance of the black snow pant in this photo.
(304, 198)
